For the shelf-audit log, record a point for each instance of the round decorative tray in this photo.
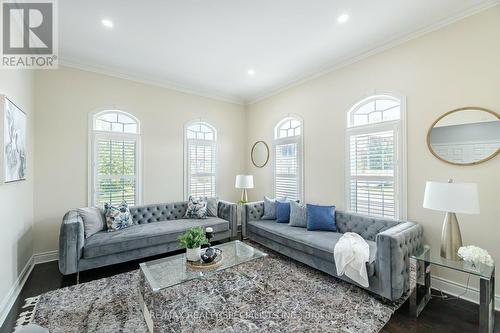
(202, 265)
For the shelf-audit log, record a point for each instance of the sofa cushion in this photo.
(269, 209)
(93, 220)
(282, 211)
(145, 235)
(212, 204)
(321, 218)
(118, 217)
(298, 215)
(317, 243)
(196, 208)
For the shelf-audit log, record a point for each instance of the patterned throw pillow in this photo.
(196, 208)
(118, 217)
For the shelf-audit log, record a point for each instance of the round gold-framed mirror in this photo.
(465, 136)
(260, 154)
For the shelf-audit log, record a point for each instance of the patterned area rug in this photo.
(272, 294)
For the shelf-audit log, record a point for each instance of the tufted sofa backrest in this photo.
(366, 226)
(158, 212)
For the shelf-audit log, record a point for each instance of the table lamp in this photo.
(451, 198)
(245, 182)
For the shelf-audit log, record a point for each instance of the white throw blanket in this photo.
(351, 254)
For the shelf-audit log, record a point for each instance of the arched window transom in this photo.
(116, 121)
(375, 109)
(287, 128)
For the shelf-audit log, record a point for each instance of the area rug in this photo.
(272, 294)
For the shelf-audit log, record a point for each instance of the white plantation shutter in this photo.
(115, 171)
(288, 159)
(372, 174)
(201, 157)
(115, 159)
(374, 168)
(286, 171)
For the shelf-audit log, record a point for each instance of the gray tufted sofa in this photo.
(156, 230)
(391, 243)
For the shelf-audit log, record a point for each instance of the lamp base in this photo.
(244, 196)
(451, 238)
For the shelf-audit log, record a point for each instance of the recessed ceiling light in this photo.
(251, 72)
(343, 18)
(107, 23)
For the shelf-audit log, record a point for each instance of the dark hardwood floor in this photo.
(452, 316)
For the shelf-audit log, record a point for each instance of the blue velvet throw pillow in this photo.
(321, 218)
(282, 211)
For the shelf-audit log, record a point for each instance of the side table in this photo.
(422, 292)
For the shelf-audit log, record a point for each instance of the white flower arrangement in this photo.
(475, 255)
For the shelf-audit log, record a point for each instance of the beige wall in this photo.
(16, 199)
(64, 99)
(453, 67)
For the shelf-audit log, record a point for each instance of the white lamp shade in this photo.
(244, 181)
(452, 197)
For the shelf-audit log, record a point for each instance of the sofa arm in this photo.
(228, 211)
(394, 248)
(71, 241)
(253, 211)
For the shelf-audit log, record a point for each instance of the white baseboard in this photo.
(14, 291)
(16, 288)
(42, 257)
(455, 289)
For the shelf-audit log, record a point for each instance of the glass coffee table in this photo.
(157, 275)
(422, 293)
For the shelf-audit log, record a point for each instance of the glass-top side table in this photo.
(422, 292)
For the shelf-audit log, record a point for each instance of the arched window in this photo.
(376, 157)
(200, 156)
(115, 144)
(288, 159)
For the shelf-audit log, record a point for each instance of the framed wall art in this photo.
(13, 138)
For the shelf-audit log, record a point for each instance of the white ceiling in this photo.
(207, 46)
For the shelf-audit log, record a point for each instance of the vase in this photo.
(193, 254)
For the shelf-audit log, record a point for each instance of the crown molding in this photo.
(68, 62)
(371, 52)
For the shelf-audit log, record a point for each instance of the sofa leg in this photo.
(78, 277)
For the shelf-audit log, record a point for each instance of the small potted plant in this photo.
(192, 240)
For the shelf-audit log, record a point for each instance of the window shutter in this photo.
(287, 170)
(115, 170)
(372, 175)
(201, 159)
